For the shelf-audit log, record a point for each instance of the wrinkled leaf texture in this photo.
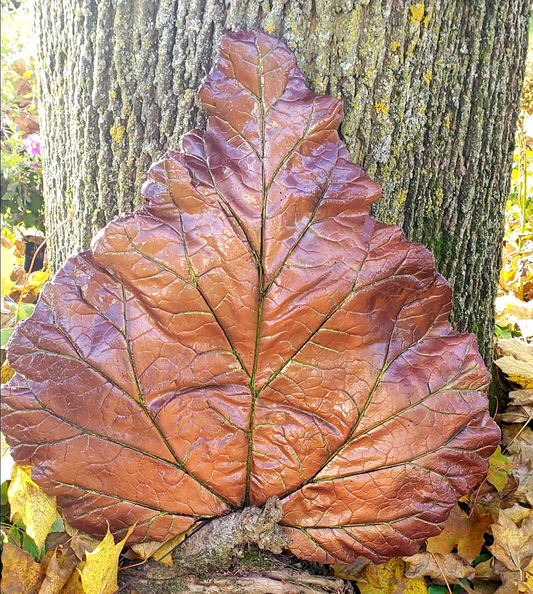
(251, 331)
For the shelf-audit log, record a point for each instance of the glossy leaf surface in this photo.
(252, 332)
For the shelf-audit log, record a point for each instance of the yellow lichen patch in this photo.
(447, 121)
(439, 197)
(428, 76)
(394, 46)
(417, 13)
(410, 50)
(269, 27)
(117, 133)
(426, 21)
(402, 196)
(382, 108)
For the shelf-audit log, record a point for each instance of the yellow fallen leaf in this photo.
(6, 372)
(8, 263)
(33, 506)
(390, 578)
(36, 281)
(99, 576)
(159, 550)
(20, 573)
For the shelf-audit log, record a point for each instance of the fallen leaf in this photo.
(390, 578)
(514, 583)
(453, 567)
(516, 362)
(511, 310)
(352, 571)
(8, 318)
(20, 573)
(499, 469)
(56, 539)
(524, 492)
(527, 582)
(521, 438)
(462, 531)
(519, 409)
(8, 263)
(60, 567)
(520, 453)
(485, 586)
(7, 372)
(159, 550)
(99, 575)
(513, 543)
(74, 584)
(521, 397)
(171, 398)
(80, 542)
(485, 571)
(28, 502)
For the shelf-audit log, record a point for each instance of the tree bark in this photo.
(430, 90)
(201, 562)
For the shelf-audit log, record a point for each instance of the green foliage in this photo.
(20, 164)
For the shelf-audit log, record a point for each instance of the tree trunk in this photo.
(430, 90)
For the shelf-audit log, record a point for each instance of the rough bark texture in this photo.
(202, 561)
(430, 90)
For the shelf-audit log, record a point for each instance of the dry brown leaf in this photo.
(514, 583)
(520, 454)
(55, 539)
(513, 541)
(485, 571)
(80, 543)
(60, 567)
(518, 513)
(453, 567)
(524, 492)
(520, 408)
(20, 573)
(486, 586)
(461, 531)
(353, 571)
(521, 397)
(516, 361)
(74, 585)
(509, 434)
